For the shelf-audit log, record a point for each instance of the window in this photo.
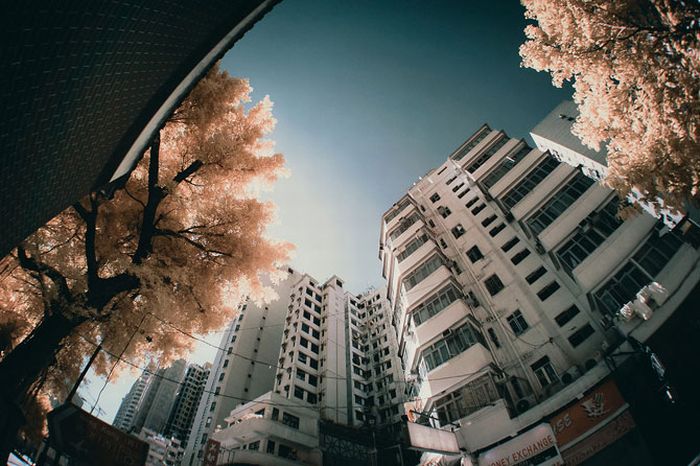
(657, 251)
(458, 230)
(493, 284)
(299, 393)
(434, 198)
(290, 420)
(471, 202)
(301, 357)
(444, 211)
(270, 447)
(400, 206)
(497, 229)
(479, 208)
(301, 375)
(529, 182)
(594, 230)
(286, 452)
(494, 337)
(404, 225)
(412, 246)
(474, 254)
(454, 343)
(313, 380)
(535, 275)
(449, 182)
(488, 220)
(558, 203)
(457, 187)
(565, 316)
(504, 166)
(434, 304)
(225, 363)
(517, 323)
(581, 335)
(544, 371)
(311, 398)
(510, 243)
(548, 290)
(422, 271)
(464, 150)
(484, 157)
(313, 363)
(463, 193)
(520, 256)
(255, 446)
(213, 406)
(466, 400)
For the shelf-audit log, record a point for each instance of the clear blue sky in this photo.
(369, 95)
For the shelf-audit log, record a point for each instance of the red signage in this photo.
(585, 414)
(605, 436)
(211, 452)
(84, 437)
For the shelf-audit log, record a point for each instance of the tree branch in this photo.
(32, 264)
(201, 247)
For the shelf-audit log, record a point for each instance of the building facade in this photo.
(338, 384)
(158, 398)
(186, 402)
(510, 279)
(126, 414)
(243, 368)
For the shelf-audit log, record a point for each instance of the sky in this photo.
(369, 95)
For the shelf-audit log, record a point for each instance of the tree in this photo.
(173, 251)
(635, 67)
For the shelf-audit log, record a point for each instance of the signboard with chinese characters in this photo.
(86, 438)
(580, 417)
(211, 453)
(600, 439)
(537, 446)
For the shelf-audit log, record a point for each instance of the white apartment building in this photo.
(337, 366)
(126, 413)
(162, 451)
(507, 271)
(243, 368)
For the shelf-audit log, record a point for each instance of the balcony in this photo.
(403, 237)
(418, 256)
(232, 457)
(244, 431)
(442, 321)
(456, 370)
(542, 191)
(428, 284)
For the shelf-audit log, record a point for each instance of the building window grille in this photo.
(504, 166)
(535, 275)
(422, 272)
(484, 157)
(493, 284)
(404, 225)
(558, 203)
(397, 210)
(517, 323)
(520, 256)
(544, 371)
(474, 254)
(466, 400)
(488, 220)
(434, 198)
(290, 420)
(455, 343)
(581, 335)
(434, 304)
(548, 290)
(458, 230)
(464, 150)
(508, 245)
(565, 316)
(529, 182)
(479, 208)
(497, 229)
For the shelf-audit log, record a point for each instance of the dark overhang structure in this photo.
(84, 86)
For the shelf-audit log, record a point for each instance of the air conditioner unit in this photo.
(570, 375)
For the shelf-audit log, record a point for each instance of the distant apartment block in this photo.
(511, 280)
(186, 402)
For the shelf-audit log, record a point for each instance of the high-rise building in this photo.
(512, 281)
(186, 402)
(338, 382)
(553, 134)
(243, 369)
(128, 408)
(158, 398)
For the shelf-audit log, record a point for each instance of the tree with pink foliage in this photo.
(171, 253)
(635, 68)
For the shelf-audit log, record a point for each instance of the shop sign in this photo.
(537, 446)
(580, 417)
(600, 439)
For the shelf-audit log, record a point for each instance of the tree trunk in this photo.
(23, 366)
